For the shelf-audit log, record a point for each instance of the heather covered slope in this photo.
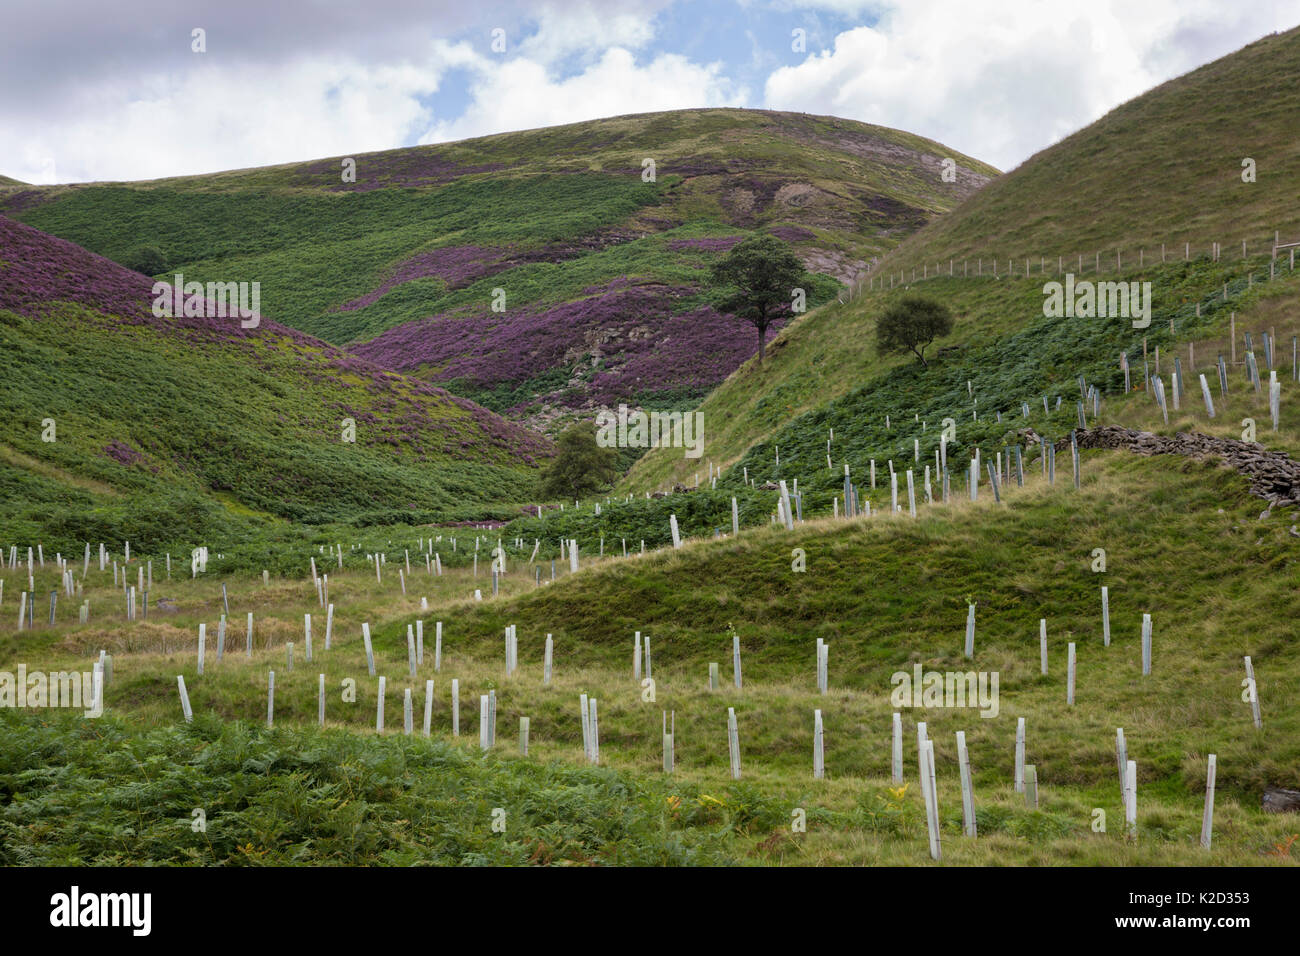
(602, 273)
(9, 181)
(116, 423)
(1163, 168)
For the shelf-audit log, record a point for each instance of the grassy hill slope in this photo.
(1164, 167)
(119, 424)
(602, 272)
(1184, 545)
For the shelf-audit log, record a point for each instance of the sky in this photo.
(93, 91)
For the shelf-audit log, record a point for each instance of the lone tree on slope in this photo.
(911, 324)
(759, 277)
(580, 466)
(148, 260)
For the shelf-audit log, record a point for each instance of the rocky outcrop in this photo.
(1281, 800)
(1274, 476)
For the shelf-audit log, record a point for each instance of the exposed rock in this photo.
(1281, 800)
(1274, 476)
(797, 194)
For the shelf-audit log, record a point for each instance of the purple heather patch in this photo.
(403, 168)
(122, 453)
(642, 343)
(689, 351)
(793, 233)
(38, 271)
(21, 200)
(37, 268)
(459, 266)
(456, 265)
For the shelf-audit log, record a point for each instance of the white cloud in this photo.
(1000, 79)
(88, 92)
(268, 93)
(522, 94)
(213, 118)
(586, 29)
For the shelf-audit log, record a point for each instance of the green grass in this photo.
(719, 172)
(294, 242)
(1165, 167)
(823, 372)
(885, 593)
(1184, 541)
(234, 439)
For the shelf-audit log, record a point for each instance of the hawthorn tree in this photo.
(758, 278)
(580, 466)
(911, 324)
(146, 259)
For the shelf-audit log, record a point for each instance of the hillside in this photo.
(118, 424)
(1184, 545)
(1165, 167)
(602, 272)
(1089, 195)
(8, 181)
(379, 718)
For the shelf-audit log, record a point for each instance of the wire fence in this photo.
(1080, 264)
